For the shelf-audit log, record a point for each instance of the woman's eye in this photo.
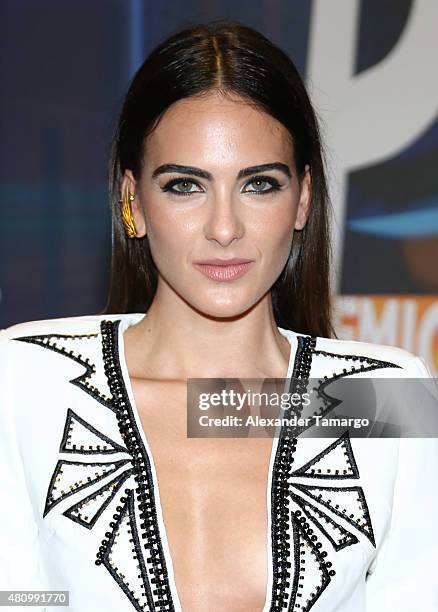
(184, 187)
(262, 185)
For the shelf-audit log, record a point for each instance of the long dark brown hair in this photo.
(231, 58)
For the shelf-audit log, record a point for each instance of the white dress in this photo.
(351, 522)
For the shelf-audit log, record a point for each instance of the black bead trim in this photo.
(116, 482)
(329, 402)
(282, 471)
(91, 450)
(308, 488)
(347, 538)
(281, 550)
(280, 493)
(306, 470)
(141, 462)
(375, 363)
(301, 536)
(81, 381)
(127, 510)
(50, 503)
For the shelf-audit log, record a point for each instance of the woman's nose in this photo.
(225, 222)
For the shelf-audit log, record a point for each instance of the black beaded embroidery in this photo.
(140, 459)
(55, 342)
(72, 443)
(359, 363)
(347, 470)
(295, 593)
(335, 533)
(149, 592)
(85, 473)
(124, 527)
(307, 552)
(318, 492)
(79, 512)
(281, 552)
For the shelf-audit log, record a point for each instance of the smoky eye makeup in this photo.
(257, 185)
(272, 185)
(186, 186)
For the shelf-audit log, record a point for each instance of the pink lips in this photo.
(224, 269)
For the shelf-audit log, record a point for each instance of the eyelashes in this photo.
(274, 185)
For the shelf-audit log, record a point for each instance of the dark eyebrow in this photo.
(183, 170)
(207, 175)
(263, 167)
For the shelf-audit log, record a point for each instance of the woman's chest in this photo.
(213, 496)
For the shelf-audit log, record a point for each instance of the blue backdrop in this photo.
(65, 69)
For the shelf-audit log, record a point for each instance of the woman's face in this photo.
(201, 197)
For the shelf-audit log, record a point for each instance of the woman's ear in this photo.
(129, 183)
(305, 199)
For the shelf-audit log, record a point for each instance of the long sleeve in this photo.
(19, 538)
(403, 575)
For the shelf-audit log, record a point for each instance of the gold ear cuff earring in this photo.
(127, 216)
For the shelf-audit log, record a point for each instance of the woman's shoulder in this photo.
(63, 325)
(395, 356)
(401, 358)
(18, 341)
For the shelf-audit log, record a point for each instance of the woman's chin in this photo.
(224, 310)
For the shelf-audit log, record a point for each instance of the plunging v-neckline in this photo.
(161, 532)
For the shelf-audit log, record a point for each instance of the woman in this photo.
(220, 269)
